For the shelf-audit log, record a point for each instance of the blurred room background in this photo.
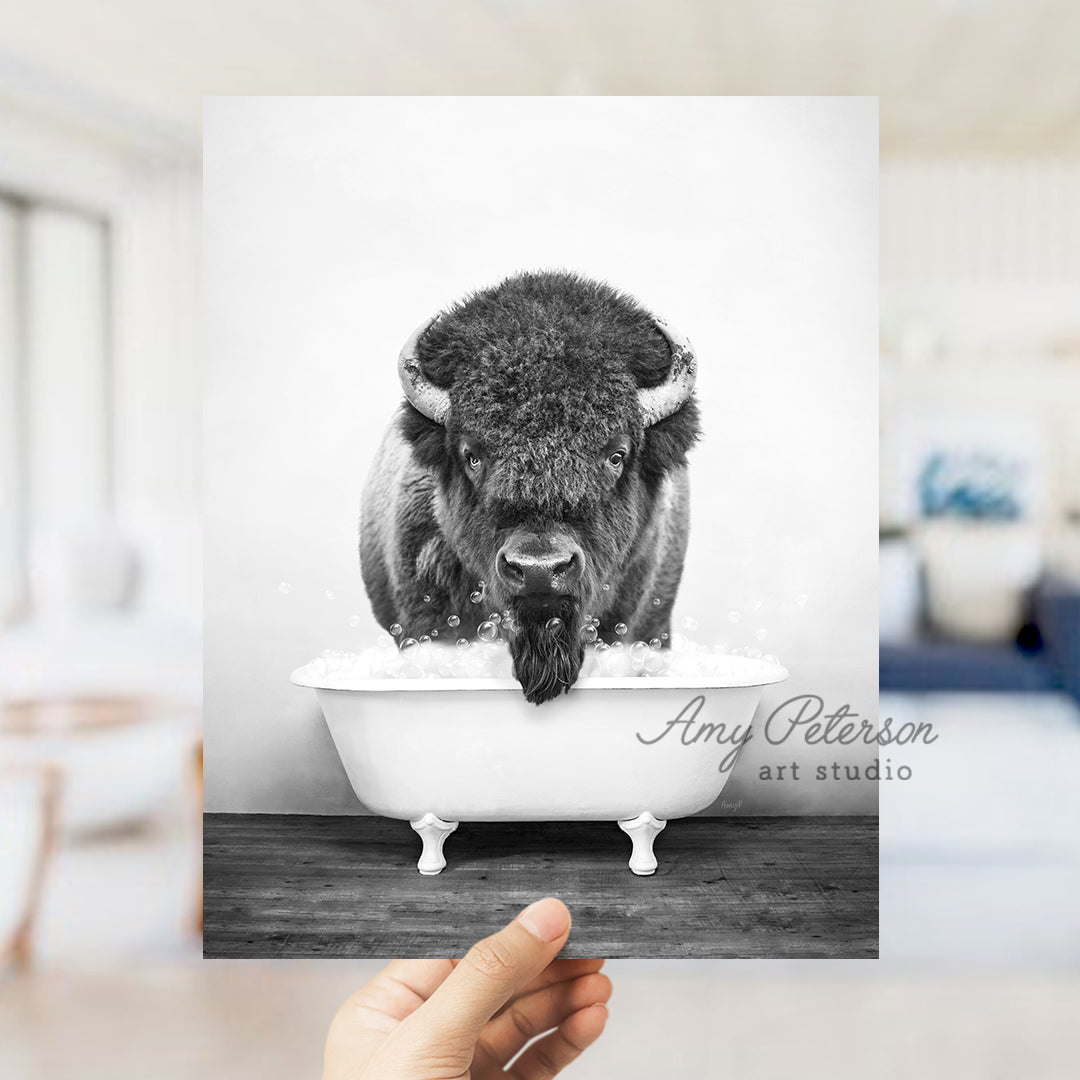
(980, 553)
(100, 549)
(100, 111)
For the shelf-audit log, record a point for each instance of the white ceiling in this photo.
(954, 76)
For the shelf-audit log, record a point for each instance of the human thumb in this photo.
(492, 972)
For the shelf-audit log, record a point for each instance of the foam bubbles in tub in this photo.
(490, 659)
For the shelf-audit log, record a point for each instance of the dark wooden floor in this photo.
(297, 886)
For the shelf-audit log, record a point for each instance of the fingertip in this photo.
(547, 919)
(598, 1013)
(592, 989)
(586, 1025)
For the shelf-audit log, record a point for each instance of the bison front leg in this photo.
(643, 830)
(433, 831)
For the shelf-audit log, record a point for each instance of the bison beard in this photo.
(546, 662)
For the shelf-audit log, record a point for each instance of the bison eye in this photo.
(616, 459)
(470, 455)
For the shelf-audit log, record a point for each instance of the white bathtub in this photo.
(436, 752)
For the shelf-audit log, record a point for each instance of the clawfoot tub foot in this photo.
(643, 830)
(433, 831)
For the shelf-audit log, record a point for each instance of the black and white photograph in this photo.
(541, 542)
(570, 511)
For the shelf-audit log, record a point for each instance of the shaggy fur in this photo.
(543, 372)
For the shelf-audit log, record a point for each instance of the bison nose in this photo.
(533, 566)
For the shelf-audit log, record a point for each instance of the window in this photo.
(56, 424)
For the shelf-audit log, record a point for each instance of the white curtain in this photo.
(67, 383)
(55, 385)
(11, 510)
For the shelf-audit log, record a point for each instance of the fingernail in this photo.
(547, 919)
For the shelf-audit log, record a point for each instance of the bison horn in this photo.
(658, 402)
(424, 396)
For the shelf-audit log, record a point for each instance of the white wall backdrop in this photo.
(333, 226)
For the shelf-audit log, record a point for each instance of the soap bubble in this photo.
(761, 635)
(434, 633)
(495, 617)
(453, 620)
(354, 620)
(284, 588)
(733, 616)
(590, 664)
(553, 624)
(656, 601)
(481, 584)
(329, 595)
(487, 656)
(427, 598)
(395, 629)
(475, 597)
(605, 586)
(664, 636)
(621, 629)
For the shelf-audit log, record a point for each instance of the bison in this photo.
(538, 462)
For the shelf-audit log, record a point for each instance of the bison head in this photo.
(550, 409)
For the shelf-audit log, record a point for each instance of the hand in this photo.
(465, 1020)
